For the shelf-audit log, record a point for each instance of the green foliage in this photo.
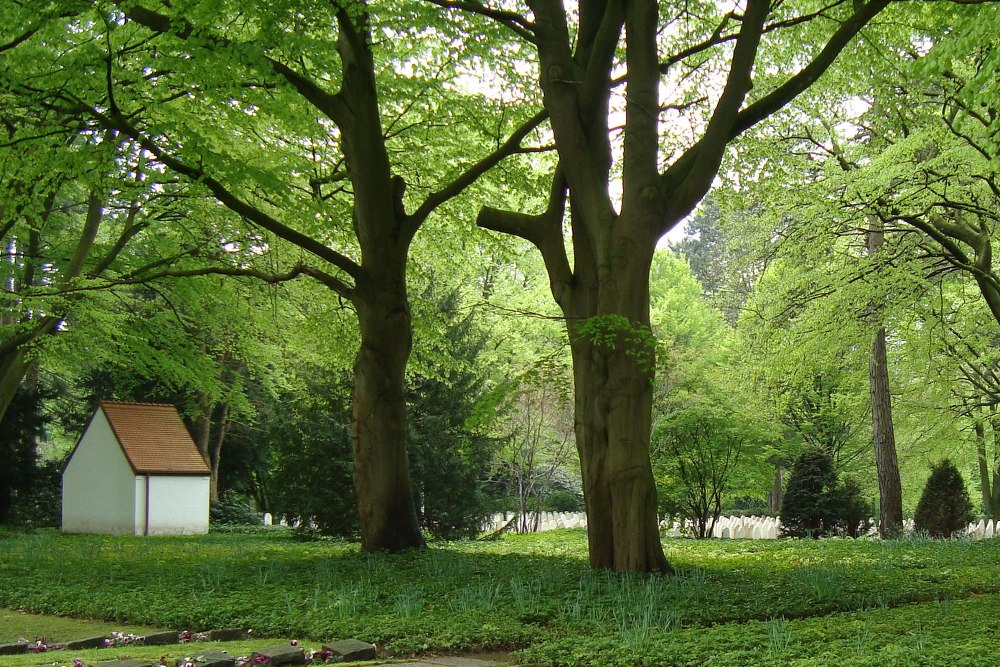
(231, 510)
(854, 507)
(708, 442)
(449, 455)
(310, 481)
(616, 332)
(562, 501)
(534, 593)
(944, 508)
(697, 449)
(29, 488)
(811, 506)
(40, 506)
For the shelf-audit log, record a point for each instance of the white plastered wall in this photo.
(178, 504)
(98, 484)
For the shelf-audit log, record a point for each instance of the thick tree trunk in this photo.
(388, 518)
(13, 368)
(613, 367)
(890, 492)
(15, 364)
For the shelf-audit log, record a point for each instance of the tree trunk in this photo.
(883, 435)
(995, 499)
(890, 492)
(774, 496)
(613, 368)
(388, 518)
(984, 470)
(15, 364)
(220, 422)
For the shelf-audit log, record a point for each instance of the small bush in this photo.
(812, 505)
(854, 508)
(231, 511)
(944, 508)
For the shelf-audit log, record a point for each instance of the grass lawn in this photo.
(733, 602)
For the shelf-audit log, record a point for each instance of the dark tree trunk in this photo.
(612, 435)
(388, 517)
(220, 422)
(613, 367)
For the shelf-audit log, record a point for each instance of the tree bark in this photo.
(15, 362)
(388, 517)
(890, 491)
(883, 435)
(613, 350)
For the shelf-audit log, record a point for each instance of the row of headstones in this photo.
(727, 527)
(747, 527)
(347, 650)
(546, 521)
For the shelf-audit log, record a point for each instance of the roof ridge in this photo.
(105, 401)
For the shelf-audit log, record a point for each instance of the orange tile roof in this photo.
(154, 438)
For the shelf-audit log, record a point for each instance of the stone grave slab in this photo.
(209, 659)
(14, 649)
(89, 642)
(282, 655)
(459, 661)
(161, 638)
(351, 650)
(226, 635)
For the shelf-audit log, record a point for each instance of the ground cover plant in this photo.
(783, 600)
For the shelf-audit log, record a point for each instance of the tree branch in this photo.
(474, 171)
(228, 198)
(512, 20)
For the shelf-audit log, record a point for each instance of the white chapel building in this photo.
(135, 471)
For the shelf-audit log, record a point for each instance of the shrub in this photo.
(854, 509)
(944, 507)
(231, 511)
(812, 506)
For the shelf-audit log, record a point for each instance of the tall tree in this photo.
(604, 292)
(883, 433)
(176, 76)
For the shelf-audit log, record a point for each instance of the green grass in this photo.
(15, 624)
(732, 602)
